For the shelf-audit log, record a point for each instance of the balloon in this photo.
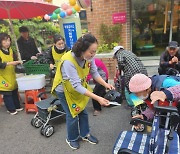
(39, 17)
(62, 14)
(69, 7)
(59, 16)
(49, 1)
(46, 17)
(69, 12)
(77, 8)
(57, 11)
(54, 16)
(72, 2)
(73, 10)
(64, 6)
(84, 3)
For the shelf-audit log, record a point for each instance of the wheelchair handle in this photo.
(53, 101)
(41, 93)
(164, 108)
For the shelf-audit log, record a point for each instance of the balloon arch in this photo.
(65, 10)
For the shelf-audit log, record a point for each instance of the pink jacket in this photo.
(102, 67)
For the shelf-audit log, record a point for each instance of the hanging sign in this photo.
(70, 34)
(119, 17)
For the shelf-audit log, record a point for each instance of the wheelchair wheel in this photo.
(140, 129)
(36, 122)
(47, 131)
(42, 130)
(134, 111)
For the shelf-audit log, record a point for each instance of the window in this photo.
(151, 25)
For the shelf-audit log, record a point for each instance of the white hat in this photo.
(116, 49)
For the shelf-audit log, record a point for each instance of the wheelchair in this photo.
(163, 138)
(136, 110)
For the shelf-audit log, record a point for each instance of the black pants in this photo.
(12, 101)
(100, 91)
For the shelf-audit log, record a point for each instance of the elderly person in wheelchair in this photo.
(163, 137)
(142, 86)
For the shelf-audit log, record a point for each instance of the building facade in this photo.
(101, 12)
(149, 26)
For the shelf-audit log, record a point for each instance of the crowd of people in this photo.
(76, 67)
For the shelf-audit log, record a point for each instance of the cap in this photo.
(116, 49)
(173, 44)
(139, 82)
(23, 29)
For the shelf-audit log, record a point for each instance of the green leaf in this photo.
(110, 36)
(38, 29)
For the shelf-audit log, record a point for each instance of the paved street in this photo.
(17, 136)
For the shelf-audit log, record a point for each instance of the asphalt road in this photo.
(17, 136)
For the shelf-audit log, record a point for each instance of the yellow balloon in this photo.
(39, 17)
(72, 2)
(77, 8)
(49, 1)
(59, 16)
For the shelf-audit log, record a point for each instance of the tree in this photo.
(110, 36)
(40, 30)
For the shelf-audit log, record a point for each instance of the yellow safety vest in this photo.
(7, 75)
(76, 101)
(57, 56)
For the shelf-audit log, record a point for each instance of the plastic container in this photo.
(31, 82)
(31, 68)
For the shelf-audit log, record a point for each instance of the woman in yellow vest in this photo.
(73, 91)
(57, 50)
(8, 85)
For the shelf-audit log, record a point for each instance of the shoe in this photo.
(20, 109)
(12, 112)
(91, 139)
(73, 144)
(96, 113)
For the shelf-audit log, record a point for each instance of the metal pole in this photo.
(13, 33)
(171, 21)
(130, 13)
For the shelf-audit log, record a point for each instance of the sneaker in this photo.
(12, 112)
(91, 139)
(96, 113)
(20, 109)
(73, 144)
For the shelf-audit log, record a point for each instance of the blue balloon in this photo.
(62, 14)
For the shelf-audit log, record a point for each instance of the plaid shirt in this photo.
(130, 64)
